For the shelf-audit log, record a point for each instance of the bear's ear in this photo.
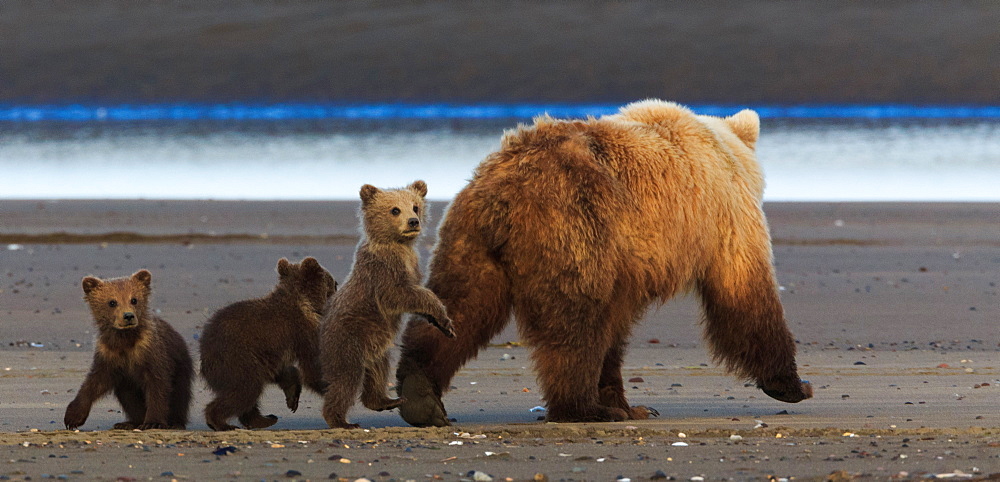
(419, 187)
(90, 283)
(143, 276)
(746, 125)
(368, 193)
(310, 264)
(283, 267)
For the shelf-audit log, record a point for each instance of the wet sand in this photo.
(895, 307)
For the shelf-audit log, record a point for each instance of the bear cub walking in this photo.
(137, 355)
(366, 312)
(251, 343)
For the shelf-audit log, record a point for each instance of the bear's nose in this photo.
(413, 222)
(129, 316)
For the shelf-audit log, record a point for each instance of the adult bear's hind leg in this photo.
(569, 340)
(611, 387)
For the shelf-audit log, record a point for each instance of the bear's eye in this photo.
(134, 301)
(112, 303)
(416, 210)
(396, 211)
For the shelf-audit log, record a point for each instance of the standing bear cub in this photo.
(138, 355)
(251, 343)
(366, 313)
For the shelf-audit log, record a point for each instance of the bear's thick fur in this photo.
(138, 356)
(252, 343)
(575, 227)
(366, 313)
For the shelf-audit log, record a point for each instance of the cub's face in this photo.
(119, 303)
(310, 280)
(394, 215)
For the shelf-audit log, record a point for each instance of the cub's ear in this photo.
(143, 276)
(419, 187)
(90, 283)
(283, 267)
(311, 264)
(368, 193)
(746, 125)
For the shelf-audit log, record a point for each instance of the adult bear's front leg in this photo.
(474, 289)
(423, 406)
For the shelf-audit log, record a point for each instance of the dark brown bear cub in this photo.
(251, 343)
(366, 313)
(138, 355)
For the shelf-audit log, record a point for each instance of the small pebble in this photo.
(480, 476)
(293, 473)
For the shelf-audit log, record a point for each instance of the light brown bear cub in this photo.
(251, 343)
(366, 313)
(137, 355)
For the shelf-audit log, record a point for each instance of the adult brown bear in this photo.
(575, 227)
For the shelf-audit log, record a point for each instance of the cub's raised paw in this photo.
(292, 398)
(444, 325)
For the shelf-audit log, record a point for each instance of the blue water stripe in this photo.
(398, 111)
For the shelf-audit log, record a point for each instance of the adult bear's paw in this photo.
(793, 392)
(422, 408)
(577, 414)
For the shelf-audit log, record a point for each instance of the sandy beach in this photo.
(894, 306)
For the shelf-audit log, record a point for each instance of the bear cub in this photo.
(137, 355)
(366, 313)
(251, 343)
